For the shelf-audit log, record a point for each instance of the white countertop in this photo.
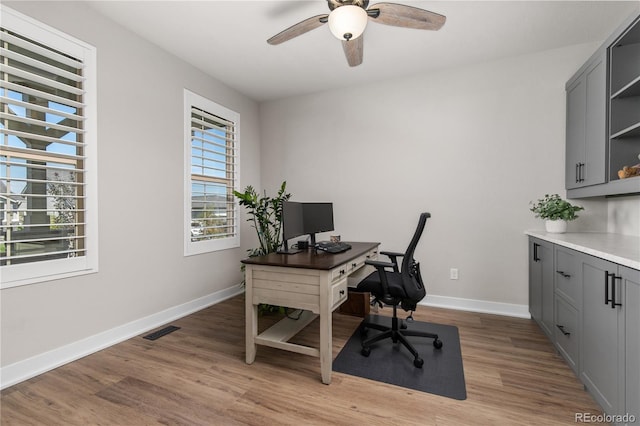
(621, 249)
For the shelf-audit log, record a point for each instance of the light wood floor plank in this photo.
(197, 376)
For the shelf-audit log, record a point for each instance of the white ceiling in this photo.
(227, 39)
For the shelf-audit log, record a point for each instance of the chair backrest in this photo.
(411, 278)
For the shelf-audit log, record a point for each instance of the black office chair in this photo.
(391, 285)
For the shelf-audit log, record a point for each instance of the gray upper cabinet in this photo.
(587, 125)
(603, 118)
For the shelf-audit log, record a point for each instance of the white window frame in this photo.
(29, 273)
(191, 247)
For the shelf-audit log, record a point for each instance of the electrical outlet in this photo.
(453, 273)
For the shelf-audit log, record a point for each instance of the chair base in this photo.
(397, 333)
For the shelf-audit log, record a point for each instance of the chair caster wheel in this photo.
(366, 351)
(437, 343)
(418, 362)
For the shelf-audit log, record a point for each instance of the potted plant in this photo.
(265, 213)
(555, 211)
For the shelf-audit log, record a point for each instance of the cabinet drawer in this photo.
(340, 272)
(567, 275)
(566, 333)
(338, 293)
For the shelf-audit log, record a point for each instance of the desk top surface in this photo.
(312, 259)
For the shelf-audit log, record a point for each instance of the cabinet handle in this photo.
(613, 289)
(564, 274)
(535, 252)
(581, 172)
(561, 327)
(577, 172)
(341, 292)
(353, 265)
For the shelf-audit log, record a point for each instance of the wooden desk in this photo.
(315, 283)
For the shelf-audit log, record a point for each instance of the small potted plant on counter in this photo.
(555, 211)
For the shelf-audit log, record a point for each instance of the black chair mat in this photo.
(442, 372)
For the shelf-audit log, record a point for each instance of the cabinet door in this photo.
(595, 137)
(541, 297)
(587, 137)
(631, 284)
(576, 116)
(601, 333)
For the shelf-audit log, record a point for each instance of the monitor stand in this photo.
(287, 250)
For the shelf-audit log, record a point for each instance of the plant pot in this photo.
(556, 226)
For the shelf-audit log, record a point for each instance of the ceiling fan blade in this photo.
(400, 15)
(299, 29)
(353, 50)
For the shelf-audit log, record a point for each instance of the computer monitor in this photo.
(317, 217)
(305, 219)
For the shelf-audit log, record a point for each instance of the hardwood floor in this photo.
(197, 376)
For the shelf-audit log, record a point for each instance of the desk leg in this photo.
(251, 317)
(326, 335)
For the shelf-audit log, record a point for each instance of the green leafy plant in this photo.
(552, 207)
(265, 214)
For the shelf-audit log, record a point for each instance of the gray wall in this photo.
(472, 146)
(142, 269)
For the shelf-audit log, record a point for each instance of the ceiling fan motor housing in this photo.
(333, 4)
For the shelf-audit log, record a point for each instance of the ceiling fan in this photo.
(348, 18)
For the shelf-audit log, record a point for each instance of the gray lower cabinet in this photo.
(631, 284)
(541, 284)
(590, 309)
(568, 302)
(602, 347)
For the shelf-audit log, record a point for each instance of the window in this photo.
(47, 153)
(211, 176)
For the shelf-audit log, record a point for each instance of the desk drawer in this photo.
(338, 293)
(340, 272)
(356, 263)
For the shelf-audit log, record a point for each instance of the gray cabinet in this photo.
(603, 117)
(602, 346)
(624, 122)
(630, 280)
(541, 284)
(568, 302)
(590, 310)
(587, 125)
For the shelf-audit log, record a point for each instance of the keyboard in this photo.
(329, 247)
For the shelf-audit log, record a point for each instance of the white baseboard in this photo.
(31, 367)
(483, 306)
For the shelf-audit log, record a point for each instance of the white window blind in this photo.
(43, 152)
(211, 215)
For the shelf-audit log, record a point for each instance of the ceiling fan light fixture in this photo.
(348, 22)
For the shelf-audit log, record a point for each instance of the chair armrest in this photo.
(394, 258)
(392, 253)
(378, 264)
